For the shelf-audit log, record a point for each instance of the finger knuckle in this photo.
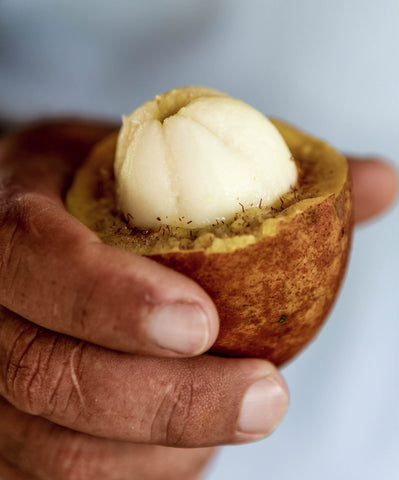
(175, 412)
(14, 206)
(23, 375)
(28, 378)
(11, 219)
(16, 212)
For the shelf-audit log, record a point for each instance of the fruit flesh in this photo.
(198, 160)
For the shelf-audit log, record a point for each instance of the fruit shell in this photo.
(272, 290)
(273, 296)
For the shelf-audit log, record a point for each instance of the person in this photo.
(89, 388)
(90, 385)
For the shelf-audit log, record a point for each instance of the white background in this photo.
(331, 68)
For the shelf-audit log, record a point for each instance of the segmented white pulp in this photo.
(191, 159)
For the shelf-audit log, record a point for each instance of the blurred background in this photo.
(331, 68)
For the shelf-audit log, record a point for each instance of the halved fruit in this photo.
(273, 272)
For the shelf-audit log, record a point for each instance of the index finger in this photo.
(57, 274)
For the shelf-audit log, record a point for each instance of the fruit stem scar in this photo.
(282, 319)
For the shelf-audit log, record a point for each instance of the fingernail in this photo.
(263, 407)
(179, 327)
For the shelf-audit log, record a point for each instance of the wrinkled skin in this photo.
(85, 391)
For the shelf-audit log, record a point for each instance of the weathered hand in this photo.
(99, 348)
(91, 375)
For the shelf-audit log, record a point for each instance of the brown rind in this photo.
(274, 291)
(273, 296)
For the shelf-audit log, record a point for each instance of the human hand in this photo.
(69, 409)
(91, 376)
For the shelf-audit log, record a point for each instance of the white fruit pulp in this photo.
(210, 159)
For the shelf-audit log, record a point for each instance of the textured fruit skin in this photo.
(272, 294)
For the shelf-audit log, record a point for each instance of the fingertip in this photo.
(375, 186)
(263, 407)
(179, 328)
(170, 314)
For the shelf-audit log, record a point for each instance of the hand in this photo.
(99, 348)
(81, 396)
